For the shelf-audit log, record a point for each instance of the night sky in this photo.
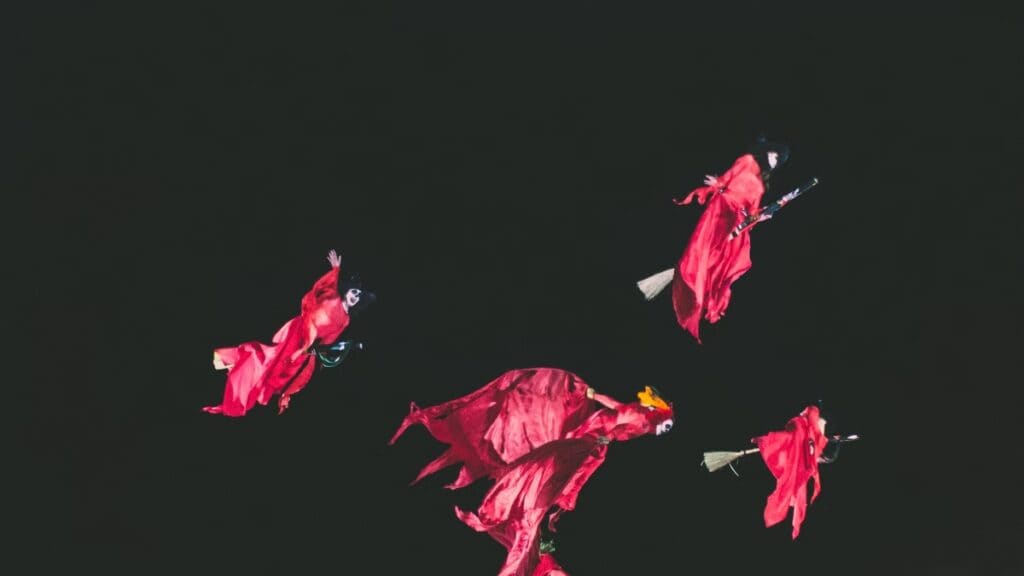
(501, 175)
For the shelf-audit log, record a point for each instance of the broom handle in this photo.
(770, 209)
(839, 439)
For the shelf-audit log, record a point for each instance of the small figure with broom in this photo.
(256, 372)
(792, 455)
(718, 252)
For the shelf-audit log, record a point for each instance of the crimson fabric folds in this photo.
(538, 435)
(257, 371)
(792, 457)
(702, 285)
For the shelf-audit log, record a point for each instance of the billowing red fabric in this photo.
(536, 433)
(257, 371)
(792, 457)
(486, 429)
(711, 263)
(548, 567)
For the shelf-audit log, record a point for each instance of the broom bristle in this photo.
(717, 460)
(653, 285)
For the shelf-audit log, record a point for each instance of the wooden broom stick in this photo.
(718, 460)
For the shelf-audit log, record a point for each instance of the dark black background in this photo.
(501, 175)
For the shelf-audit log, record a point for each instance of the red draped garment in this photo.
(702, 284)
(540, 435)
(792, 457)
(257, 371)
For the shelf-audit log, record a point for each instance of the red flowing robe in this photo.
(536, 433)
(711, 262)
(257, 371)
(792, 457)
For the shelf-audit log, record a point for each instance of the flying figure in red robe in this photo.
(540, 434)
(718, 252)
(792, 455)
(257, 371)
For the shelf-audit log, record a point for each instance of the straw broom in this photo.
(718, 460)
(654, 284)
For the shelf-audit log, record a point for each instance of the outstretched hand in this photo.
(710, 180)
(334, 259)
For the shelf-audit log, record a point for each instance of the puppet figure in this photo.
(792, 456)
(540, 434)
(718, 252)
(257, 371)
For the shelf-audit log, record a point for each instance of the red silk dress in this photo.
(792, 457)
(711, 262)
(257, 371)
(538, 435)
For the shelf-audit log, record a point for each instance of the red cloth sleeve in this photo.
(326, 287)
(743, 165)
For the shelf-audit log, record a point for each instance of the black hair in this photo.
(762, 146)
(366, 298)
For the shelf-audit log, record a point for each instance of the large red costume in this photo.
(712, 262)
(540, 434)
(257, 371)
(792, 457)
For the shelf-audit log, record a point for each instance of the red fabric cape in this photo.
(792, 457)
(711, 263)
(536, 433)
(257, 371)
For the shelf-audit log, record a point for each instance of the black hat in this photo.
(762, 147)
(365, 296)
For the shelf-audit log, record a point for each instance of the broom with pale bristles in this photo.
(718, 460)
(653, 285)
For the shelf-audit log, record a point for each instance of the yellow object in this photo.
(649, 398)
